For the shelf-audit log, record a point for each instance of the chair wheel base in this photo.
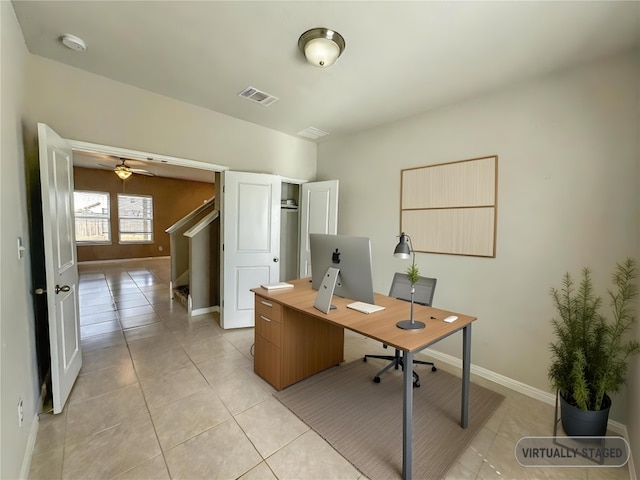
(364, 359)
(376, 379)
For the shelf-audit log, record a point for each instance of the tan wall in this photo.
(172, 199)
(86, 107)
(18, 366)
(567, 198)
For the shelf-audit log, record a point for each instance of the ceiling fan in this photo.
(124, 171)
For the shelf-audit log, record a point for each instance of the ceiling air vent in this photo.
(312, 132)
(257, 96)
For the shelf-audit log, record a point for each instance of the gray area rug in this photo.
(363, 420)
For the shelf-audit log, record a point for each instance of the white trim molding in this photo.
(202, 311)
(144, 156)
(516, 386)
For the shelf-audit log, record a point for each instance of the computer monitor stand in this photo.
(325, 291)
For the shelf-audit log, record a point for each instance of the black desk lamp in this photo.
(403, 250)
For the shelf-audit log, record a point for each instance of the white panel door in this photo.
(250, 213)
(56, 180)
(318, 214)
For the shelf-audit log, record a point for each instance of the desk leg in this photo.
(407, 432)
(466, 375)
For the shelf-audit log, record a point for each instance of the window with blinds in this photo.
(135, 218)
(92, 217)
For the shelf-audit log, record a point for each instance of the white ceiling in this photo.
(154, 167)
(401, 59)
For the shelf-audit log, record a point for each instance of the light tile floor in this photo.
(163, 396)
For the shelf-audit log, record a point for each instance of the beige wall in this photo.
(18, 376)
(86, 107)
(568, 197)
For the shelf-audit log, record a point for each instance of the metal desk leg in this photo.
(466, 375)
(407, 433)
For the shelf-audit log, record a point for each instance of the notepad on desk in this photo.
(277, 286)
(365, 307)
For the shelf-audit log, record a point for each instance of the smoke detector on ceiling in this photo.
(73, 43)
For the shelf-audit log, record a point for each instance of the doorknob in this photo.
(42, 291)
(275, 260)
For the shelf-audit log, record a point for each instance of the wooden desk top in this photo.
(380, 325)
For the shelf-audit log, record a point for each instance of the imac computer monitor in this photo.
(352, 256)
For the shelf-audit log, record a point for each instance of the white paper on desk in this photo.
(365, 307)
(277, 286)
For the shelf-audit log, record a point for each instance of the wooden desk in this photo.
(294, 340)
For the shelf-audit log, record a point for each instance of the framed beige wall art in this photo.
(451, 208)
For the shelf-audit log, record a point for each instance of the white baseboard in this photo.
(202, 311)
(28, 453)
(123, 260)
(528, 390)
(31, 441)
(632, 469)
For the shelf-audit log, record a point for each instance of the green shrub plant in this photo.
(413, 273)
(590, 355)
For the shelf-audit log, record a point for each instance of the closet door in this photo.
(318, 214)
(250, 220)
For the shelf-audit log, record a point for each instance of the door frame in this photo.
(38, 268)
(143, 156)
(150, 157)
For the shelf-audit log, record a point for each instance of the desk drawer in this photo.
(268, 308)
(268, 321)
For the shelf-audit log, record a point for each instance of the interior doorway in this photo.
(39, 271)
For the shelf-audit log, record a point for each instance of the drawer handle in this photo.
(265, 318)
(266, 303)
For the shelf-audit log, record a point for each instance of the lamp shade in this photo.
(402, 249)
(321, 52)
(321, 46)
(122, 172)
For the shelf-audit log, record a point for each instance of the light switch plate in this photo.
(20, 249)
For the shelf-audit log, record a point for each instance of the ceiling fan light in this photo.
(122, 172)
(321, 46)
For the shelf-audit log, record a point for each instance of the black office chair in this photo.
(401, 289)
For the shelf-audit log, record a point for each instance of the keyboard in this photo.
(365, 307)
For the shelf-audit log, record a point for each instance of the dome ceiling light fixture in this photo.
(321, 46)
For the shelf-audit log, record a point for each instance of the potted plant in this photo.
(413, 274)
(590, 354)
